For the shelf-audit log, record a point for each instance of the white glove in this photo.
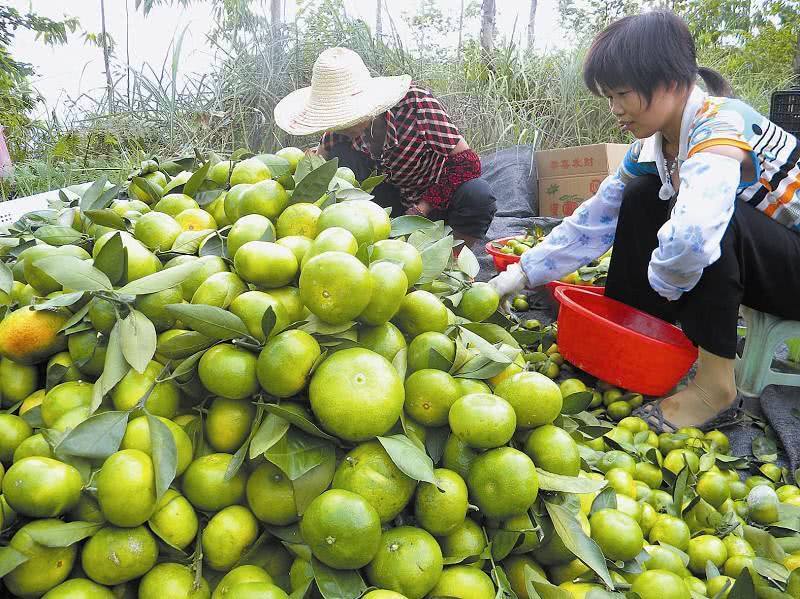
(511, 281)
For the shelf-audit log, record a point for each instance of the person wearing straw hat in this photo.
(398, 129)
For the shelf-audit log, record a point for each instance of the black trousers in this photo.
(759, 267)
(470, 211)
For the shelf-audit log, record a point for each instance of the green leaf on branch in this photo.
(370, 183)
(184, 345)
(287, 534)
(468, 263)
(75, 319)
(337, 584)
(115, 368)
(314, 482)
(268, 321)
(503, 541)
(164, 453)
(74, 273)
(743, 588)
(192, 186)
(764, 544)
(277, 166)
(186, 366)
(204, 198)
(485, 348)
(211, 321)
(764, 448)
(299, 421)
(435, 259)
(307, 164)
(315, 184)
(59, 301)
(112, 259)
(271, 430)
(771, 569)
(107, 218)
(493, 333)
(153, 193)
(575, 403)
(606, 499)
(297, 452)
(679, 491)
(64, 534)
(96, 437)
(159, 281)
(34, 416)
(6, 278)
(58, 235)
(10, 558)
(539, 587)
(414, 462)
(400, 362)
(313, 325)
(354, 194)
(106, 198)
(568, 484)
(241, 453)
(93, 193)
(405, 225)
(215, 245)
(138, 337)
(571, 534)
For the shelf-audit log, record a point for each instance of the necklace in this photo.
(670, 166)
(668, 190)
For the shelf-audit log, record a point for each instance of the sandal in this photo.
(728, 417)
(653, 415)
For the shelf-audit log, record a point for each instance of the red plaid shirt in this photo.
(416, 155)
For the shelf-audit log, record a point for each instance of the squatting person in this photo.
(704, 212)
(394, 127)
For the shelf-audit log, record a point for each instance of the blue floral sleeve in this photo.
(690, 240)
(589, 231)
(579, 239)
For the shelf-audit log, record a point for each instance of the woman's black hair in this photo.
(644, 52)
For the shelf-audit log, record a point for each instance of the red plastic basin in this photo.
(553, 285)
(619, 344)
(501, 260)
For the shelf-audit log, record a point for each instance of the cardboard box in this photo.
(568, 176)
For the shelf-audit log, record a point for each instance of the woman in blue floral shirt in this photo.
(704, 212)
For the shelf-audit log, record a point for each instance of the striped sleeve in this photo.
(721, 122)
(631, 167)
(434, 123)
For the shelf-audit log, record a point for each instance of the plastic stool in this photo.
(754, 369)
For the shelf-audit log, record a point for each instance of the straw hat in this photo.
(342, 93)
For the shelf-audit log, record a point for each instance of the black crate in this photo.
(784, 110)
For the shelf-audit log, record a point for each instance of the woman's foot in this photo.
(712, 390)
(695, 404)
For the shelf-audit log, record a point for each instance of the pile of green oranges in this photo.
(243, 379)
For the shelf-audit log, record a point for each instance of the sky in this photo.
(65, 72)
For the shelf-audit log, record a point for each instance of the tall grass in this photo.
(516, 98)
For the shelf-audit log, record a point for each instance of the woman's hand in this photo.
(421, 208)
(508, 283)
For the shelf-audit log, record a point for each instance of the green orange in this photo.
(268, 265)
(335, 286)
(284, 365)
(356, 394)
